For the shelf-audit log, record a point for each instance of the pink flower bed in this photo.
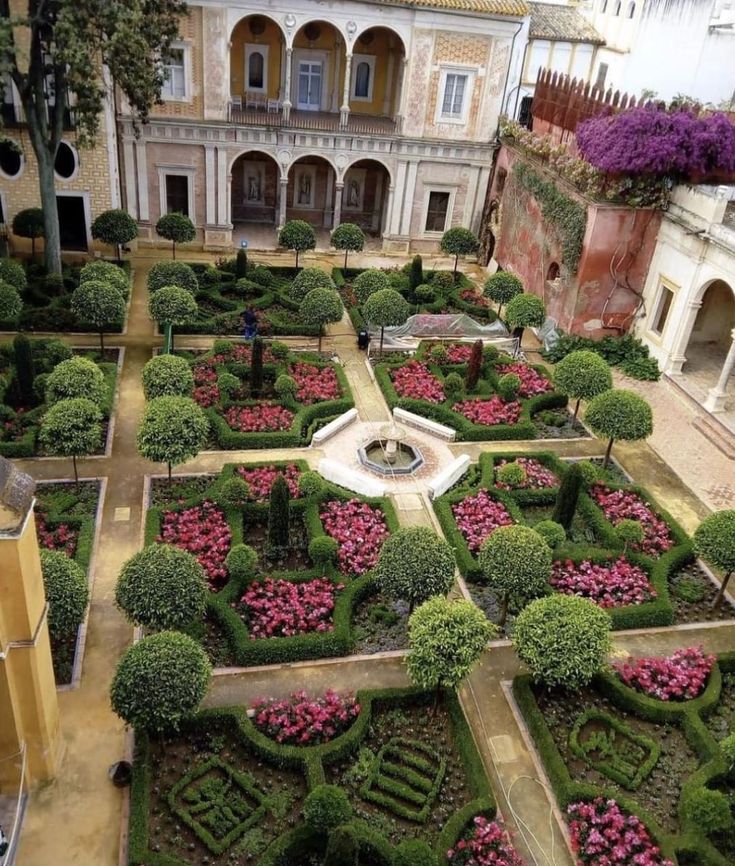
(303, 722)
(204, 532)
(279, 608)
(314, 384)
(456, 353)
(260, 480)
(487, 845)
(415, 380)
(620, 505)
(472, 296)
(263, 418)
(538, 476)
(478, 516)
(609, 585)
(603, 835)
(532, 382)
(679, 677)
(62, 538)
(489, 412)
(360, 531)
(206, 395)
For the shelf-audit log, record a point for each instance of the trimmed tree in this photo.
(71, 428)
(524, 311)
(100, 305)
(414, 564)
(241, 264)
(416, 273)
(256, 367)
(297, 235)
(77, 377)
(14, 273)
(619, 414)
(515, 561)
(29, 223)
(582, 375)
(172, 274)
(308, 279)
(162, 587)
(326, 807)
(278, 515)
(368, 282)
(348, 237)
(10, 302)
(171, 306)
(564, 640)
(177, 228)
(474, 366)
(445, 640)
(502, 287)
(67, 593)
(115, 227)
(25, 373)
(173, 430)
(320, 307)
(386, 309)
(106, 272)
(714, 540)
(567, 497)
(167, 376)
(233, 493)
(459, 242)
(159, 680)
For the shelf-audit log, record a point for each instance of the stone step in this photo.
(717, 434)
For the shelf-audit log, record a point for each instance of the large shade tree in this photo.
(54, 52)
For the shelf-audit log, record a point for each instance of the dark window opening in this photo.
(177, 194)
(72, 222)
(436, 214)
(255, 70)
(65, 163)
(11, 160)
(553, 272)
(524, 112)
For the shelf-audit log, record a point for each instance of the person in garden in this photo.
(251, 323)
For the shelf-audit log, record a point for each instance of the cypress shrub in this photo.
(416, 274)
(278, 515)
(566, 498)
(24, 373)
(256, 368)
(241, 264)
(342, 848)
(474, 367)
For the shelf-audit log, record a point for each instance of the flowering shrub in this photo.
(472, 296)
(532, 382)
(620, 505)
(486, 845)
(263, 418)
(415, 380)
(489, 412)
(601, 833)
(478, 516)
(538, 477)
(14, 428)
(679, 677)
(206, 395)
(260, 480)
(360, 531)
(314, 384)
(608, 585)
(204, 532)
(61, 538)
(303, 722)
(279, 608)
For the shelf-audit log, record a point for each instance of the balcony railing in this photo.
(318, 121)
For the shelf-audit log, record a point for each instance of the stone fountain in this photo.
(390, 454)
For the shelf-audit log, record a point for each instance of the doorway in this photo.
(72, 222)
(309, 96)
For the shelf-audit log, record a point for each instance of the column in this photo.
(413, 170)
(328, 199)
(717, 396)
(141, 162)
(338, 187)
(344, 112)
(282, 196)
(678, 357)
(400, 90)
(209, 184)
(394, 214)
(131, 192)
(223, 188)
(387, 211)
(389, 80)
(287, 86)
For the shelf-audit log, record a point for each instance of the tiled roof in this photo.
(561, 24)
(512, 8)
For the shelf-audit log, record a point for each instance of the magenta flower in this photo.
(360, 531)
(301, 721)
(538, 477)
(532, 382)
(489, 412)
(315, 384)
(265, 417)
(416, 381)
(487, 845)
(679, 677)
(260, 480)
(613, 584)
(620, 505)
(204, 532)
(280, 608)
(478, 516)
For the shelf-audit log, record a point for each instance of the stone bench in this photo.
(340, 474)
(447, 477)
(329, 430)
(425, 424)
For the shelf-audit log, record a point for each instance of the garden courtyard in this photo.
(419, 777)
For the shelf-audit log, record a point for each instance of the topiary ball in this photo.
(552, 532)
(323, 549)
(708, 811)
(508, 387)
(630, 532)
(310, 484)
(414, 852)
(233, 493)
(167, 376)
(227, 383)
(591, 472)
(67, 593)
(326, 807)
(453, 386)
(512, 474)
(285, 386)
(241, 561)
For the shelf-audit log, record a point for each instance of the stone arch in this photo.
(259, 14)
(389, 28)
(251, 83)
(311, 190)
(365, 194)
(307, 21)
(255, 187)
(379, 159)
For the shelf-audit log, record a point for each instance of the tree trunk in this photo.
(503, 610)
(102, 346)
(437, 698)
(721, 594)
(47, 188)
(119, 253)
(74, 464)
(454, 272)
(169, 474)
(33, 249)
(500, 309)
(576, 409)
(173, 248)
(297, 258)
(380, 352)
(171, 344)
(607, 454)
(346, 259)
(319, 345)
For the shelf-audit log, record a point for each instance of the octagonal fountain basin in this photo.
(388, 457)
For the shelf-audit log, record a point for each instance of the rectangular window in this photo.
(177, 194)
(363, 74)
(662, 310)
(174, 85)
(436, 213)
(256, 68)
(455, 88)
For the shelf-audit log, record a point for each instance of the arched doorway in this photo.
(708, 351)
(365, 196)
(376, 75)
(318, 68)
(257, 73)
(254, 191)
(311, 190)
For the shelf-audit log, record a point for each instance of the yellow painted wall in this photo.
(271, 37)
(379, 47)
(327, 40)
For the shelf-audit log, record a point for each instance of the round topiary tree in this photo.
(582, 375)
(552, 532)
(386, 308)
(173, 429)
(508, 387)
(714, 541)
(172, 305)
(564, 640)
(326, 807)
(77, 377)
(516, 561)
(241, 561)
(524, 311)
(11, 304)
(106, 272)
(233, 493)
(29, 224)
(172, 274)
(630, 532)
(708, 811)
(310, 484)
(167, 376)
(285, 387)
(453, 386)
(67, 593)
(308, 279)
(177, 228)
(162, 587)
(98, 304)
(368, 282)
(459, 242)
(320, 307)
(297, 235)
(414, 564)
(414, 852)
(71, 428)
(513, 474)
(323, 550)
(115, 227)
(619, 414)
(159, 680)
(348, 237)
(445, 640)
(13, 272)
(502, 287)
